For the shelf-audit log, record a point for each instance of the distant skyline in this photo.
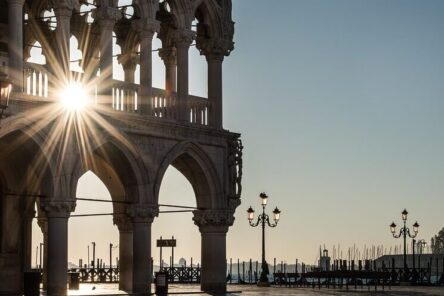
(340, 105)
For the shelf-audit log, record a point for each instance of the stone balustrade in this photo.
(124, 98)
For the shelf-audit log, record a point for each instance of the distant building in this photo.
(324, 261)
(182, 262)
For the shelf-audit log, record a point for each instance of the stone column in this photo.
(129, 63)
(183, 40)
(214, 61)
(106, 17)
(142, 217)
(213, 226)
(63, 12)
(124, 224)
(169, 57)
(146, 30)
(57, 213)
(215, 50)
(15, 42)
(43, 224)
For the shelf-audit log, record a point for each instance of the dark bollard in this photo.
(161, 281)
(74, 280)
(31, 283)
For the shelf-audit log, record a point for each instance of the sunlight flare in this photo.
(74, 97)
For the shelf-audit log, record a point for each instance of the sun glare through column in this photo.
(74, 97)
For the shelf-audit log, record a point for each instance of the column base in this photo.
(263, 284)
(214, 288)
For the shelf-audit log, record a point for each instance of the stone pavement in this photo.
(250, 290)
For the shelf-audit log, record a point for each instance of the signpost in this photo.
(161, 243)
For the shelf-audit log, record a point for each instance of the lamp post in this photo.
(263, 220)
(5, 92)
(404, 232)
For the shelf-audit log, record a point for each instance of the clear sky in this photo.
(340, 105)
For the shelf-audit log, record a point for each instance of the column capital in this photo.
(58, 208)
(184, 37)
(215, 49)
(128, 60)
(142, 213)
(106, 16)
(213, 220)
(168, 55)
(63, 7)
(123, 222)
(146, 28)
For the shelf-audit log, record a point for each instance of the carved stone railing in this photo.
(199, 109)
(35, 79)
(125, 96)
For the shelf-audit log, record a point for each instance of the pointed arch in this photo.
(119, 166)
(191, 160)
(25, 147)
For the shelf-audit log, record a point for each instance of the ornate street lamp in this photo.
(5, 92)
(263, 219)
(404, 232)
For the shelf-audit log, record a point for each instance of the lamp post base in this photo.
(263, 284)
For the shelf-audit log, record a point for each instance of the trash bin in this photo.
(31, 283)
(74, 280)
(161, 283)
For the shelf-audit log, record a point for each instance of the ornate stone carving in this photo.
(64, 8)
(123, 222)
(215, 48)
(58, 208)
(184, 37)
(146, 27)
(128, 61)
(168, 55)
(107, 16)
(235, 171)
(213, 218)
(142, 213)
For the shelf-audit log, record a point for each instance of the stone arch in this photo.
(193, 162)
(27, 144)
(120, 167)
(210, 19)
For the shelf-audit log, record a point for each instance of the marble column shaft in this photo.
(57, 213)
(61, 66)
(106, 60)
(125, 227)
(183, 42)
(213, 226)
(146, 80)
(169, 57)
(142, 217)
(215, 89)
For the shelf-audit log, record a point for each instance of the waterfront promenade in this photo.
(250, 290)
